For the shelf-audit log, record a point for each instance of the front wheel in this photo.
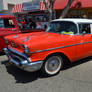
(52, 65)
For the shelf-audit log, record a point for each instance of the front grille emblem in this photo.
(13, 44)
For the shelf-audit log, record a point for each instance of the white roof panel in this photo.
(75, 20)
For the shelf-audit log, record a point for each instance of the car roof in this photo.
(75, 20)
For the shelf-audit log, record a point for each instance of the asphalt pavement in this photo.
(75, 77)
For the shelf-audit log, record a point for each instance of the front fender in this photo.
(43, 55)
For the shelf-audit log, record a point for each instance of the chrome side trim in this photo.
(21, 54)
(61, 47)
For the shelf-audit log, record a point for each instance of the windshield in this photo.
(62, 27)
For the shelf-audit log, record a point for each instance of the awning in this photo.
(17, 8)
(61, 4)
(82, 4)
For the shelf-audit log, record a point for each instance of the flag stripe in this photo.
(17, 8)
(42, 5)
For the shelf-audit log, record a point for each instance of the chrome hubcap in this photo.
(53, 65)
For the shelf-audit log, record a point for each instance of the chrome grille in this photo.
(15, 54)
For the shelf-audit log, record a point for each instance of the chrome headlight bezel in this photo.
(6, 41)
(26, 50)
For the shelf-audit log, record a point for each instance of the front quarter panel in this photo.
(41, 51)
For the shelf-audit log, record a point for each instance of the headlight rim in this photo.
(26, 50)
(6, 40)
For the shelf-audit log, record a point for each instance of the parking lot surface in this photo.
(76, 77)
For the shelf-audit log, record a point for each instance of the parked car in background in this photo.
(8, 26)
(65, 40)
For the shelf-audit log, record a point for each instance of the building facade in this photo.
(79, 8)
(7, 5)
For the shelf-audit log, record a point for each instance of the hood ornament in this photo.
(28, 38)
(16, 36)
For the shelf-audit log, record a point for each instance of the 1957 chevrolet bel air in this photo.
(64, 40)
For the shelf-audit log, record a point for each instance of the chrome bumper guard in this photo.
(22, 61)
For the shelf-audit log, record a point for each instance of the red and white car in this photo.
(64, 40)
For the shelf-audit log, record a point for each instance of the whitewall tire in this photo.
(52, 65)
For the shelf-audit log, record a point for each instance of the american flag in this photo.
(17, 8)
(42, 5)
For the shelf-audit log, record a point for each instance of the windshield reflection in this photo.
(62, 27)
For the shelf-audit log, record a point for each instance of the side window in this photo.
(71, 27)
(84, 28)
(8, 23)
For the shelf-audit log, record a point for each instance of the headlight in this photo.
(6, 41)
(26, 50)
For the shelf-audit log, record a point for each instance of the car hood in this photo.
(38, 40)
(37, 36)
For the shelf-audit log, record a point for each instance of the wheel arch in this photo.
(66, 59)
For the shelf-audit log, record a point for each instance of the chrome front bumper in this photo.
(22, 61)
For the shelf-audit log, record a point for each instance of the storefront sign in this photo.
(31, 6)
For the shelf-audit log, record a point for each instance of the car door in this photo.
(84, 40)
(87, 39)
(7, 27)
